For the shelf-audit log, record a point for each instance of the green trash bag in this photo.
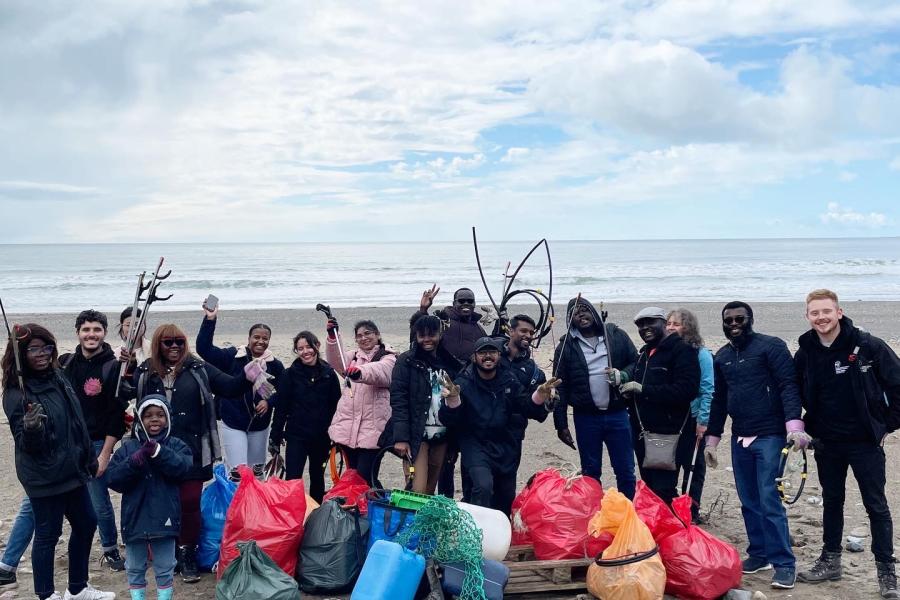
(255, 576)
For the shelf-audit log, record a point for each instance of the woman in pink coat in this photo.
(365, 407)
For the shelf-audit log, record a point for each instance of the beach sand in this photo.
(541, 448)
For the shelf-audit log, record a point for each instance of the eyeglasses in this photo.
(465, 300)
(38, 350)
(169, 342)
(738, 320)
(365, 333)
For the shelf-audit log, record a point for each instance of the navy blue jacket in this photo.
(151, 507)
(756, 385)
(238, 412)
(671, 380)
(874, 374)
(486, 421)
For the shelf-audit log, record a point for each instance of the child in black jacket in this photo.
(147, 469)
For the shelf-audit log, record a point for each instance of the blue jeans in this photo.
(136, 557)
(75, 506)
(19, 536)
(755, 470)
(106, 516)
(592, 431)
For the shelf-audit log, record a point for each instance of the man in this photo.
(666, 379)
(516, 356)
(755, 384)
(461, 330)
(592, 360)
(850, 386)
(92, 370)
(482, 405)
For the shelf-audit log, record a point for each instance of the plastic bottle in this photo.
(390, 572)
(496, 530)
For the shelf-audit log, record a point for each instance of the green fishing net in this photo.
(446, 533)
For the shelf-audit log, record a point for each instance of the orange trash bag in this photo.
(630, 569)
(271, 513)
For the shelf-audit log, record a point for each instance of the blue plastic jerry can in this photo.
(391, 572)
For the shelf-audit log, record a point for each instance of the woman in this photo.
(54, 459)
(684, 323)
(189, 384)
(415, 430)
(364, 409)
(142, 347)
(308, 394)
(245, 419)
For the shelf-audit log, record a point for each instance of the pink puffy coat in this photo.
(360, 418)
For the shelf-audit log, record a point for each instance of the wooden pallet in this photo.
(528, 575)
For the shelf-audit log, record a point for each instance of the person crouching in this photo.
(147, 470)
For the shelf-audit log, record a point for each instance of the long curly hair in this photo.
(24, 334)
(691, 334)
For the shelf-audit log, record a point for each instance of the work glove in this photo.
(331, 327)
(34, 417)
(449, 391)
(353, 372)
(565, 436)
(616, 377)
(709, 455)
(630, 388)
(800, 440)
(545, 390)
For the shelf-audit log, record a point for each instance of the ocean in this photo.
(63, 278)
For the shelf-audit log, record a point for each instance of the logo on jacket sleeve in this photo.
(840, 369)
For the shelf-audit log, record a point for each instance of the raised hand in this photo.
(545, 390)
(34, 417)
(448, 388)
(428, 298)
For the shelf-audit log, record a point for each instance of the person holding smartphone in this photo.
(245, 418)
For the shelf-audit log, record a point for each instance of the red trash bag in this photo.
(556, 515)
(655, 513)
(353, 488)
(520, 534)
(271, 514)
(699, 566)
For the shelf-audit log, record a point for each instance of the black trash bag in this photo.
(255, 576)
(333, 549)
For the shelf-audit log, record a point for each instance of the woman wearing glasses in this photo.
(189, 384)
(54, 459)
(365, 407)
(245, 418)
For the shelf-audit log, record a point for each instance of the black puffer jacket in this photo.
(460, 334)
(193, 408)
(575, 390)
(58, 457)
(307, 399)
(875, 376)
(94, 381)
(756, 385)
(670, 380)
(411, 395)
(487, 419)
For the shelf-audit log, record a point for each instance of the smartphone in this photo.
(211, 302)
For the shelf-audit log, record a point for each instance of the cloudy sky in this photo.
(169, 120)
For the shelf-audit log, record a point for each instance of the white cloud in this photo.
(894, 165)
(847, 176)
(839, 215)
(514, 154)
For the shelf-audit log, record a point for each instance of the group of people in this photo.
(456, 396)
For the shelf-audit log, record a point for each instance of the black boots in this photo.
(826, 568)
(186, 557)
(887, 580)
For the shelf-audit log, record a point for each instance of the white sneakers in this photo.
(88, 593)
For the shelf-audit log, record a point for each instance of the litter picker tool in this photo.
(687, 488)
(132, 331)
(14, 340)
(793, 474)
(152, 297)
(326, 310)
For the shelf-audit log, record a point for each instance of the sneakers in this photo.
(188, 559)
(89, 593)
(784, 578)
(826, 568)
(8, 580)
(755, 565)
(887, 580)
(113, 560)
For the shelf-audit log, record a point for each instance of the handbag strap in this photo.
(637, 412)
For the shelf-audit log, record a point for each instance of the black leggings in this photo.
(295, 456)
(362, 460)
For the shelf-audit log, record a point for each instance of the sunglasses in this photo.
(38, 350)
(738, 320)
(169, 342)
(465, 300)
